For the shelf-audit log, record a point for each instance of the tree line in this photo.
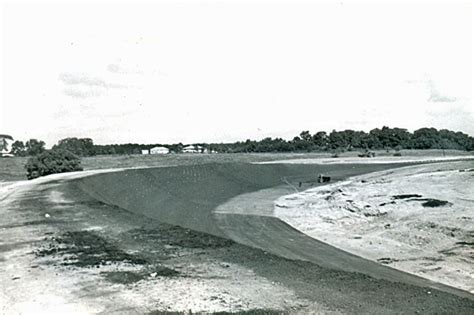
(346, 140)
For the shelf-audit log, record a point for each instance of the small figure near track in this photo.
(323, 179)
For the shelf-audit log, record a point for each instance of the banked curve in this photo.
(189, 195)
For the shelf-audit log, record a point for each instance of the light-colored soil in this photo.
(374, 160)
(364, 216)
(36, 215)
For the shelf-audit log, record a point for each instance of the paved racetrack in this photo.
(188, 195)
(192, 197)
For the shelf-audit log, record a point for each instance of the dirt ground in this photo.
(62, 251)
(87, 257)
(418, 219)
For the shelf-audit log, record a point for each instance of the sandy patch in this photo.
(386, 217)
(374, 160)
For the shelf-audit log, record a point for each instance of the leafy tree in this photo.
(18, 148)
(299, 144)
(471, 144)
(78, 146)
(320, 139)
(389, 138)
(384, 138)
(3, 143)
(339, 140)
(425, 138)
(305, 136)
(51, 162)
(34, 147)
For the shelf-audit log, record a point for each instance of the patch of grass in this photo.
(87, 249)
(30, 223)
(433, 203)
(386, 203)
(13, 169)
(182, 237)
(123, 277)
(129, 277)
(162, 271)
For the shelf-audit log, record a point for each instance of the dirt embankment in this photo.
(418, 219)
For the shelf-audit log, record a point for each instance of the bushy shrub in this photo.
(51, 162)
(367, 154)
(432, 203)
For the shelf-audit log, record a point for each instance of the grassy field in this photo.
(12, 169)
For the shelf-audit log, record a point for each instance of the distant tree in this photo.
(351, 139)
(34, 147)
(425, 138)
(18, 148)
(389, 138)
(336, 141)
(359, 140)
(3, 144)
(320, 139)
(78, 146)
(470, 146)
(264, 145)
(176, 148)
(306, 141)
(282, 145)
(399, 138)
(104, 149)
(339, 140)
(453, 140)
(305, 136)
(300, 144)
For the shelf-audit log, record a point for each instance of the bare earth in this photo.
(43, 273)
(65, 252)
(380, 216)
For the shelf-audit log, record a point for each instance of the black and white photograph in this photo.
(236, 157)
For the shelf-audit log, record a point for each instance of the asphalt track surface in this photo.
(189, 196)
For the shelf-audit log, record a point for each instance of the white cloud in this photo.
(435, 96)
(80, 85)
(117, 68)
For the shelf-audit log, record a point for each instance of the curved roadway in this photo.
(235, 201)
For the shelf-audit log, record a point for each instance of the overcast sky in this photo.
(162, 73)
